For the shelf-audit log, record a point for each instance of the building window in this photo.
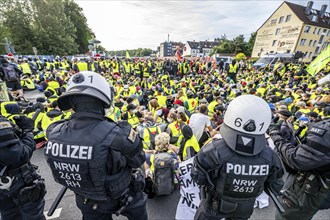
(273, 21)
(324, 31)
(281, 19)
(307, 28)
(328, 33)
(288, 17)
(321, 39)
(310, 43)
(314, 43)
(302, 42)
(318, 33)
(274, 43)
(315, 30)
(317, 49)
(315, 18)
(277, 31)
(310, 54)
(305, 54)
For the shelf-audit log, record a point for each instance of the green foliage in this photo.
(140, 52)
(52, 26)
(240, 56)
(78, 19)
(236, 45)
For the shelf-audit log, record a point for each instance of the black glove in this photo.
(274, 129)
(25, 123)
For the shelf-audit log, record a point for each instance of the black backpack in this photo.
(163, 176)
(10, 73)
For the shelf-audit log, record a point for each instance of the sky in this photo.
(125, 24)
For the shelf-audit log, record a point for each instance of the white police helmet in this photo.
(245, 123)
(86, 83)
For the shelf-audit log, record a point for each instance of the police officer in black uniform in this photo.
(236, 169)
(21, 189)
(306, 187)
(95, 157)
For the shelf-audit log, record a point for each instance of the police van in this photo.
(272, 59)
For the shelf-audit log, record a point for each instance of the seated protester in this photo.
(189, 145)
(10, 110)
(161, 165)
(174, 129)
(218, 115)
(148, 133)
(54, 114)
(159, 113)
(132, 115)
(313, 117)
(182, 116)
(201, 125)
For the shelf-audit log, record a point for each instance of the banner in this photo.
(189, 192)
(320, 62)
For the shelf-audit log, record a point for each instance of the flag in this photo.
(178, 54)
(127, 55)
(320, 62)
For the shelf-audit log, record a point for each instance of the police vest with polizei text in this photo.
(79, 161)
(242, 177)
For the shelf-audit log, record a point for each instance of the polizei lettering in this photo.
(247, 170)
(69, 151)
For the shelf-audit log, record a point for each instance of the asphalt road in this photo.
(159, 208)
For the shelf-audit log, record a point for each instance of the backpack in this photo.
(152, 135)
(10, 73)
(163, 176)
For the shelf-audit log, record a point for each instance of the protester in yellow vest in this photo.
(131, 116)
(189, 145)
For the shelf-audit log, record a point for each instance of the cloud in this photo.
(132, 24)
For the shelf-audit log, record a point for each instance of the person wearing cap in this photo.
(132, 115)
(306, 187)
(236, 169)
(301, 107)
(107, 155)
(189, 145)
(125, 92)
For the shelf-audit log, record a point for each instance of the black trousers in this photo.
(135, 211)
(30, 211)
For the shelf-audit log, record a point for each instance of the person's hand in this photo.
(274, 129)
(25, 123)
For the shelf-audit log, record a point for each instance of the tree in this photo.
(239, 44)
(250, 44)
(55, 33)
(16, 22)
(83, 33)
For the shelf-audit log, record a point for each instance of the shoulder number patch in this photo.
(132, 135)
